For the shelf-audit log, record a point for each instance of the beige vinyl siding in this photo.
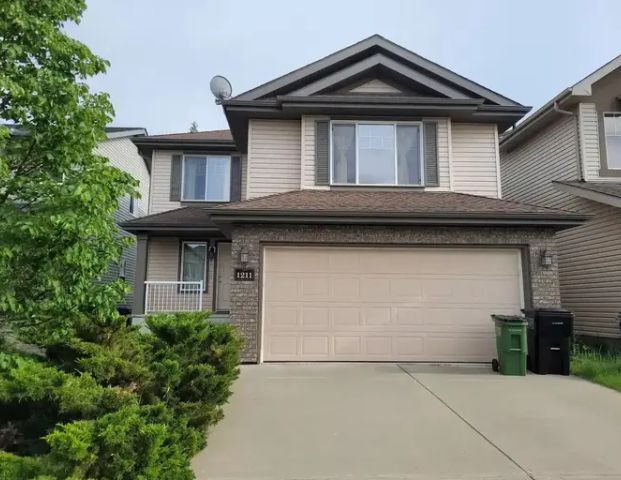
(307, 179)
(163, 259)
(590, 271)
(308, 154)
(474, 159)
(160, 182)
(375, 86)
(528, 171)
(589, 140)
(274, 157)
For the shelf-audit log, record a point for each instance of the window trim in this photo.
(132, 204)
(206, 266)
(356, 123)
(608, 168)
(206, 156)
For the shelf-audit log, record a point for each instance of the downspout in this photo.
(559, 110)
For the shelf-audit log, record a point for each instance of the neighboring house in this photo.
(568, 155)
(352, 213)
(123, 154)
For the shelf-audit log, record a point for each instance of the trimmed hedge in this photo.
(115, 402)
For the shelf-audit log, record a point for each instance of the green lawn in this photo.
(598, 367)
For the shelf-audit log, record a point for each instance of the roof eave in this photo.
(587, 194)
(392, 218)
(523, 130)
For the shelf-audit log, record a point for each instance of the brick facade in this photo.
(543, 287)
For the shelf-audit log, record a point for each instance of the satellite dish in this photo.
(221, 88)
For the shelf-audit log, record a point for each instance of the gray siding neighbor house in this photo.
(567, 155)
(123, 154)
(352, 212)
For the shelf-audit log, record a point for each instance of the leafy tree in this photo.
(57, 196)
(194, 127)
(83, 395)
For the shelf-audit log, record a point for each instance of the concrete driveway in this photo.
(369, 421)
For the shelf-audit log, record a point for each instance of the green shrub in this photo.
(135, 406)
(194, 363)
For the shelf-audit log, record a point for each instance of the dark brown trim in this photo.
(140, 275)
(345, 218)
(216, 275)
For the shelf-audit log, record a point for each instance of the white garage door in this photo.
(386, 304)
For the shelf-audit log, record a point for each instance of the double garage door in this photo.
(386, 303)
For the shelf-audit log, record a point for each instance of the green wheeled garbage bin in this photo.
(511, 344)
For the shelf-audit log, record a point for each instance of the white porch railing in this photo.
(170, 297)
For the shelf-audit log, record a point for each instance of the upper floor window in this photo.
(376, 153)
(206, 178)
(132, 204)
(612, 127)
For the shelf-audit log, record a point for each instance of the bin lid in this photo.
(509, 318)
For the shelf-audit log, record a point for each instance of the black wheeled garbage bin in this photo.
(549, 340)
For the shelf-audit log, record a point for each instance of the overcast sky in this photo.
(163, 53)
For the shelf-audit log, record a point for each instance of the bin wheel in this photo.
(495, 365)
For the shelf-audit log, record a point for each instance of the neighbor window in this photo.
(206, 178)
(193, 263)
(123, 269)
(612, 127)
(376, 153)
(132, 204)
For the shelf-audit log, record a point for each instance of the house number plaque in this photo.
(244, 275)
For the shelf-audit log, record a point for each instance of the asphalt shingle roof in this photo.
(205, 135)
(386, 202)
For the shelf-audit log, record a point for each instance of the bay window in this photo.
(376, 153)
(206, 178)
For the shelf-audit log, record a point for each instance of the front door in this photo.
(223, 277)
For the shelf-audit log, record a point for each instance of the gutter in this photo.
(524, 127)
(383, 218)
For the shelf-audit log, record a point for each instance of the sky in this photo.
(163, 53)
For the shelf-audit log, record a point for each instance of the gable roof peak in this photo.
(354, 54)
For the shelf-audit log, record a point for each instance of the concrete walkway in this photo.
(418, 422)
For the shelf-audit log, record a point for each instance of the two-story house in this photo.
(568, 155)
(353, 212)
(120, 151)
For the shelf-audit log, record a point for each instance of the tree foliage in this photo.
(57, 196)
(83, 395)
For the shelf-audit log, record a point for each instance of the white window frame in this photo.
(181, 262)
(356, 123)
(183, 199)
(123, 269)
(608, 167)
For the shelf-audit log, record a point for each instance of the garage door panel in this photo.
(316, 345)
(315, 317)
(342, 306)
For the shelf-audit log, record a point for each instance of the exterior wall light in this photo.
(546, 259)
(243, 257)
